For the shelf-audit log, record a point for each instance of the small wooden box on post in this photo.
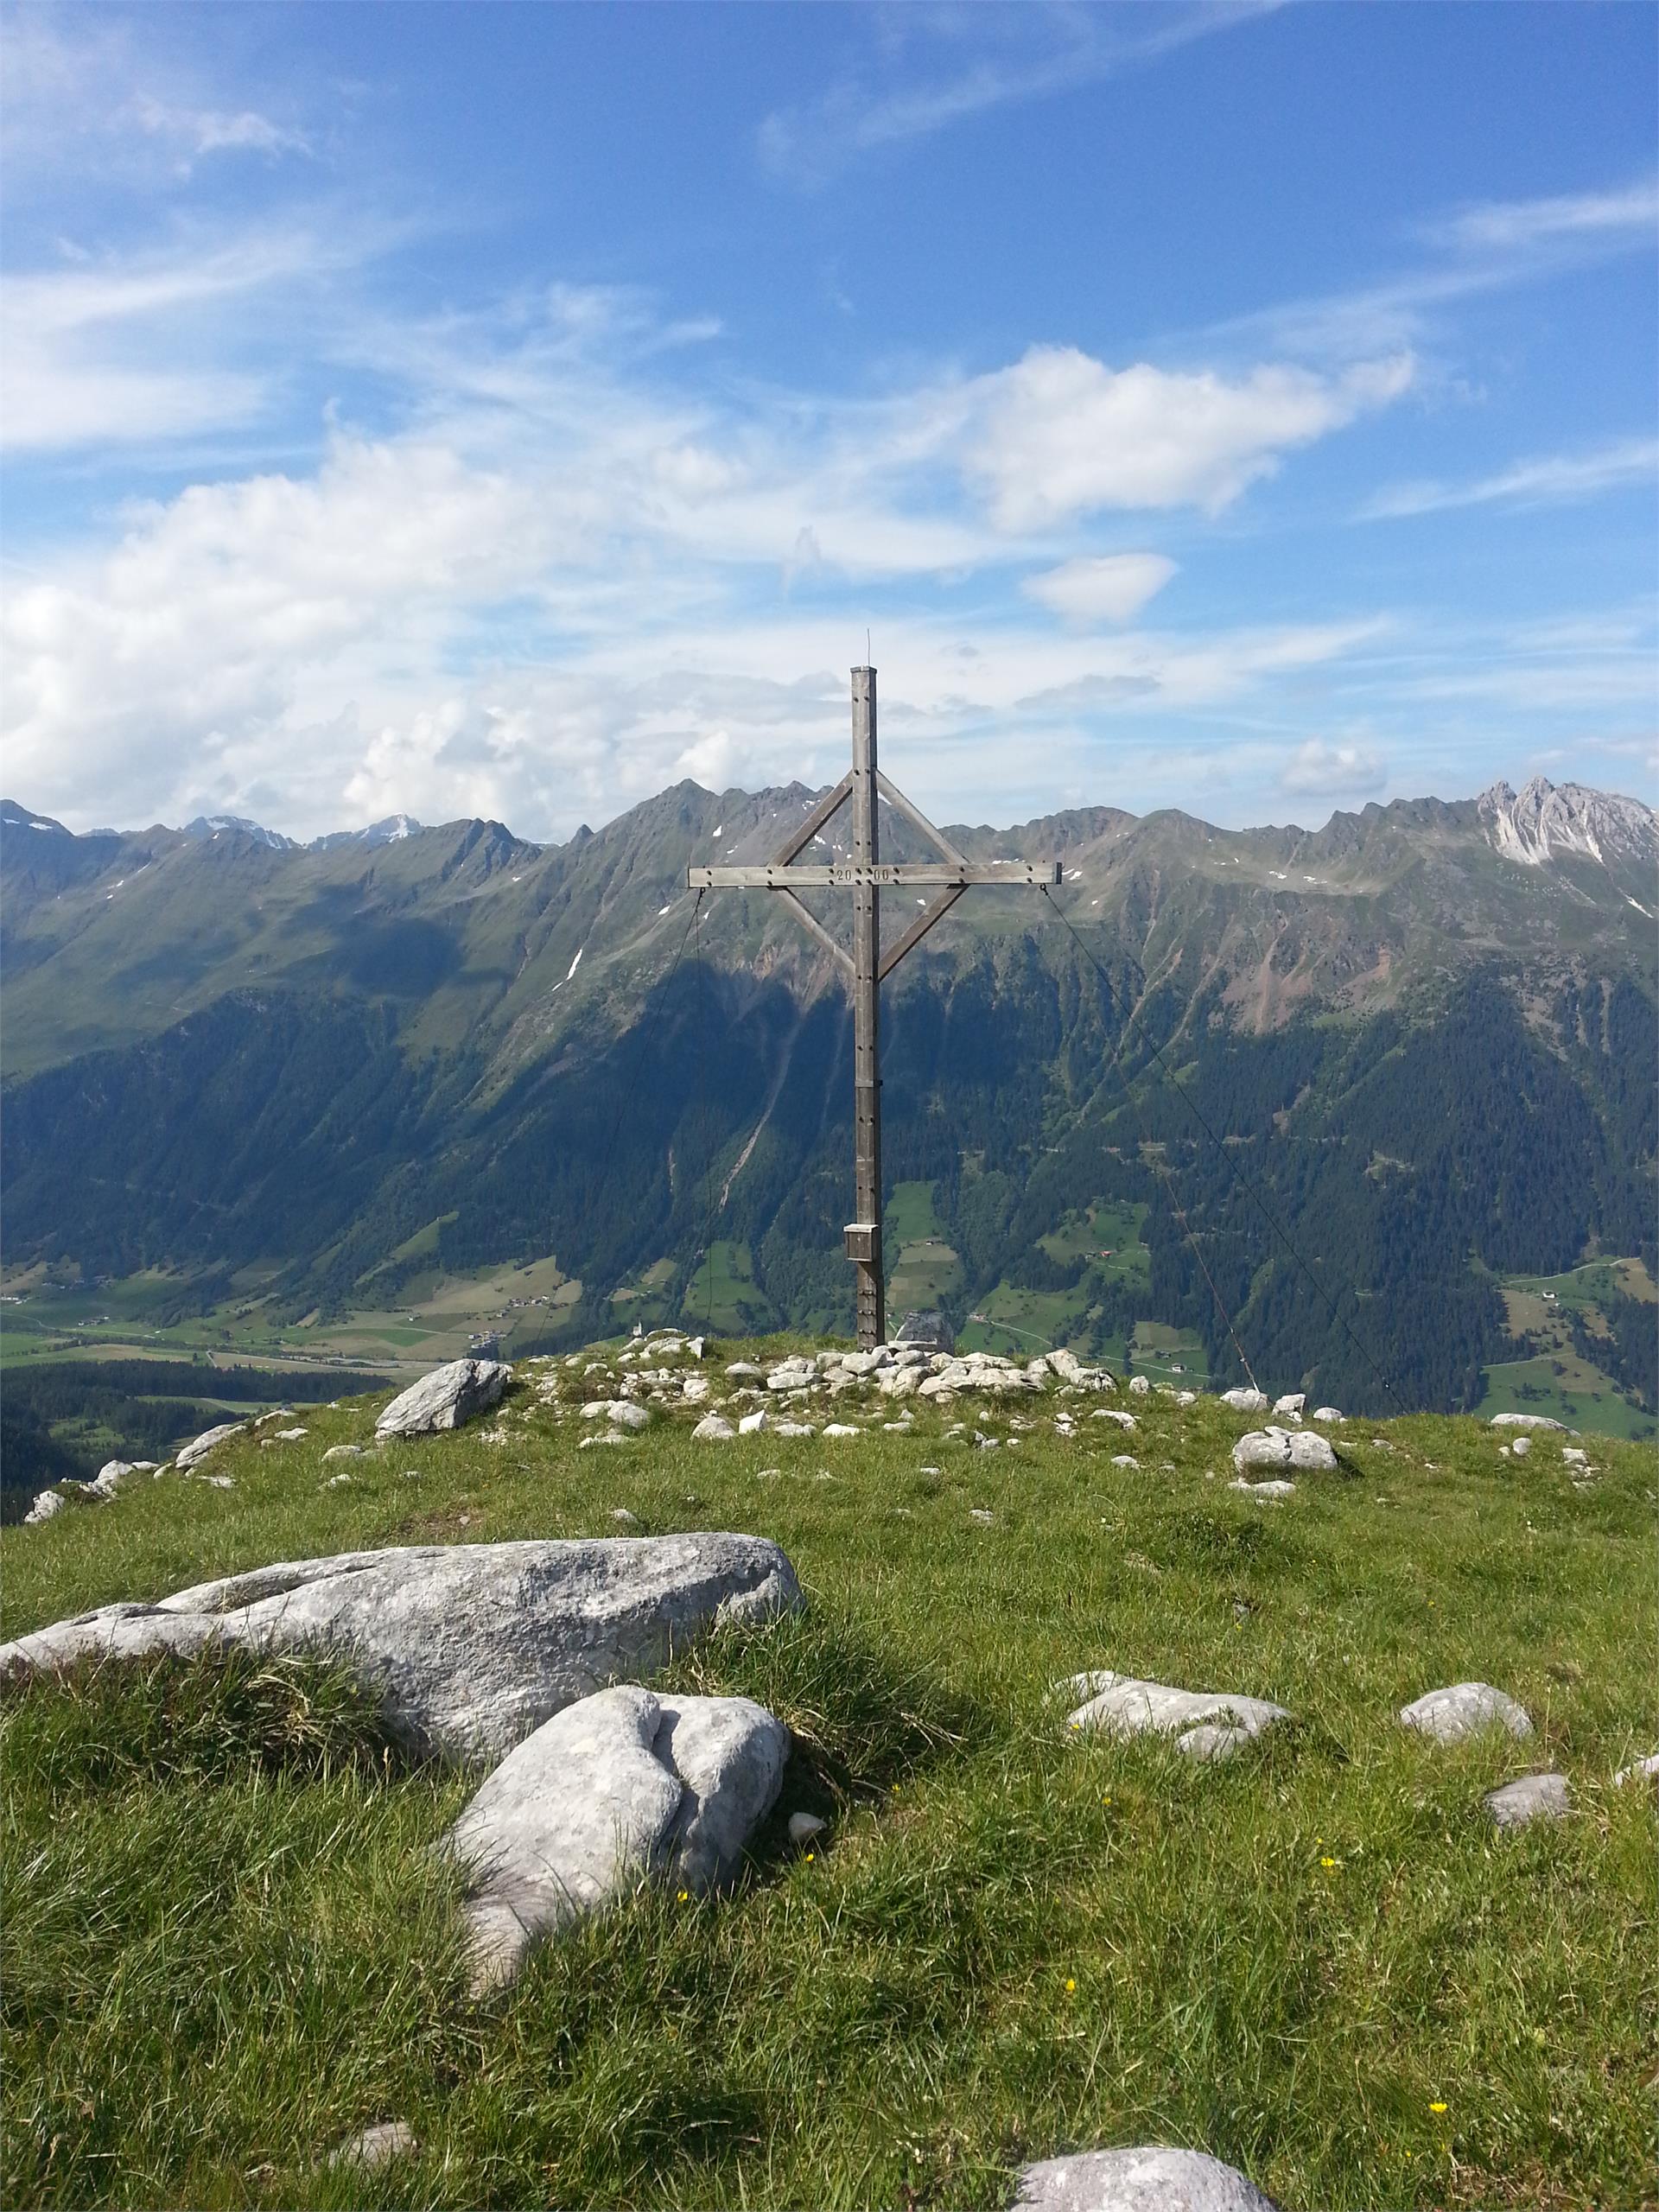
(865, 875)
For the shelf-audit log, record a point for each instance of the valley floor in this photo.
(227, 1944)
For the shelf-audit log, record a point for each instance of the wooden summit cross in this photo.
(864, 876)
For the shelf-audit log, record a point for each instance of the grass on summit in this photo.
(228, 1946)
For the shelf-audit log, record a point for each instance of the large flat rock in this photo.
(445, 1399)
(470, 1647)
(620, 1787)
(1150, 2180)
(1205, 1723)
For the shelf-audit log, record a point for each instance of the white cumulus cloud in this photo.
(1112, 589)
(1060, 434)
(1319, 770)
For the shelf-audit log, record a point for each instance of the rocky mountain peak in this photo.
(1545, 820)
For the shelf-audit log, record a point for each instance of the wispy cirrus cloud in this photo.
(971, 59)
(1511, 226)
(1489, 248)
(1548, 479)
(196, 131)
(85, 95)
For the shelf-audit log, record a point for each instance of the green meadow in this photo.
(228, 1944)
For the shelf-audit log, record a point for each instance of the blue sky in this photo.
(512, 408)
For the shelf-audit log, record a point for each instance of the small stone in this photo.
(1140, 1386)
(841, 1428)
(713, 1429)
(1521, 1446)
(1291, 1404)
(743, 1370)
(1245, 1401)
(1124, 1459)
(793, 1428)
(802, 1827)
(287, 1436)
(333, 1481)
(1645, 1770)
(220, 1482)
(1529, 1420)
(1573, 1457)
(344, 1452)
(982, 1514)
(1464, 1709)
(1533, 1797)
(1327, 1413)
(47, 1502)
(1273, 1488)
(623, 1518)
(694, 1390)
(1149, 2180)
(1125, 1421)
(376, 2146)
(752, 1424)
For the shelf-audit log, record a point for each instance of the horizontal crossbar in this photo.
(852, 874)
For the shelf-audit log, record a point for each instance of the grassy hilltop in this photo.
(227, 1945)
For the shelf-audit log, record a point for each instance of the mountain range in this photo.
(1333, 1087)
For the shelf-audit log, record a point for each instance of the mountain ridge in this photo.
(454, 1047)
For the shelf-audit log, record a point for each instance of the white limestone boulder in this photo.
(1149, 2180)
(445, 1399)
(1464, 1709)
(713, 1429)
(1140, 1386)
(620, 1787)
(1329, 1413)
(47, 1502)
(1530, 1420)
(1278, 1448)
(200, 1447)
(468, 1647)
(1205, 1723)
(1645, 1770)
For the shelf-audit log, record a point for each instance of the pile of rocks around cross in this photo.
(532, 1660)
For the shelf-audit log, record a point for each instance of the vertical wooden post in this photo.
(864, 1235)
(948, 877)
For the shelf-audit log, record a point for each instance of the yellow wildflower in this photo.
(1437, 2107)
